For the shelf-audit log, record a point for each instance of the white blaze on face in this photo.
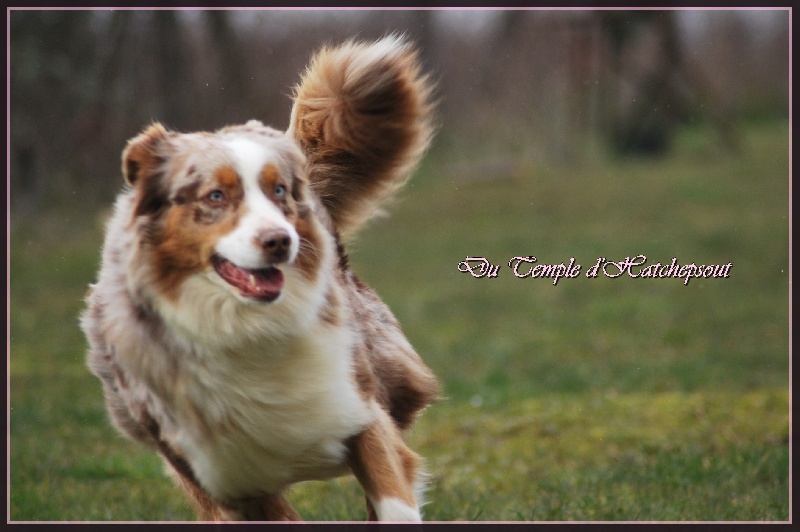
(239, 246)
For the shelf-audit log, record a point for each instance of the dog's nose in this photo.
(276, 244)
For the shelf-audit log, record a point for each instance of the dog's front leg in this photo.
(387, 469)
(266, 508)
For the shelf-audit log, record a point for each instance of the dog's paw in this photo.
(392, 509)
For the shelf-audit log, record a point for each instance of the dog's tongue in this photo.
(263, 284)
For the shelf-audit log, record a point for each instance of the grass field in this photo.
(595, 399)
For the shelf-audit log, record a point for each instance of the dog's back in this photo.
(362, 115)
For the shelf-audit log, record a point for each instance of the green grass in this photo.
(596, 399)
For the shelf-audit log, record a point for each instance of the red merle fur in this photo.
(360, 122)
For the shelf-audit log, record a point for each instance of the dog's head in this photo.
(232, 207)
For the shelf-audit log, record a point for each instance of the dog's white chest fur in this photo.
(271, 418)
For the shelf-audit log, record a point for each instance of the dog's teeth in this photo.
(252, 279)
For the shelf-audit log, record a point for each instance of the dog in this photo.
(226, 324)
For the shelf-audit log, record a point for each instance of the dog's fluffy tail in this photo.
(362, 115)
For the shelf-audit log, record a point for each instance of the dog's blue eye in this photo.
(216, 196)
(280, 191)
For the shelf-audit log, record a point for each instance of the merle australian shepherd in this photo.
(226, 325)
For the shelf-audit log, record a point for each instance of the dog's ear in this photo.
(293, 162)
(142, 156)
(142, 167)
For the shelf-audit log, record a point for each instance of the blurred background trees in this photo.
(549, 86)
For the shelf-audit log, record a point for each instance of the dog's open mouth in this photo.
(262, 284)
